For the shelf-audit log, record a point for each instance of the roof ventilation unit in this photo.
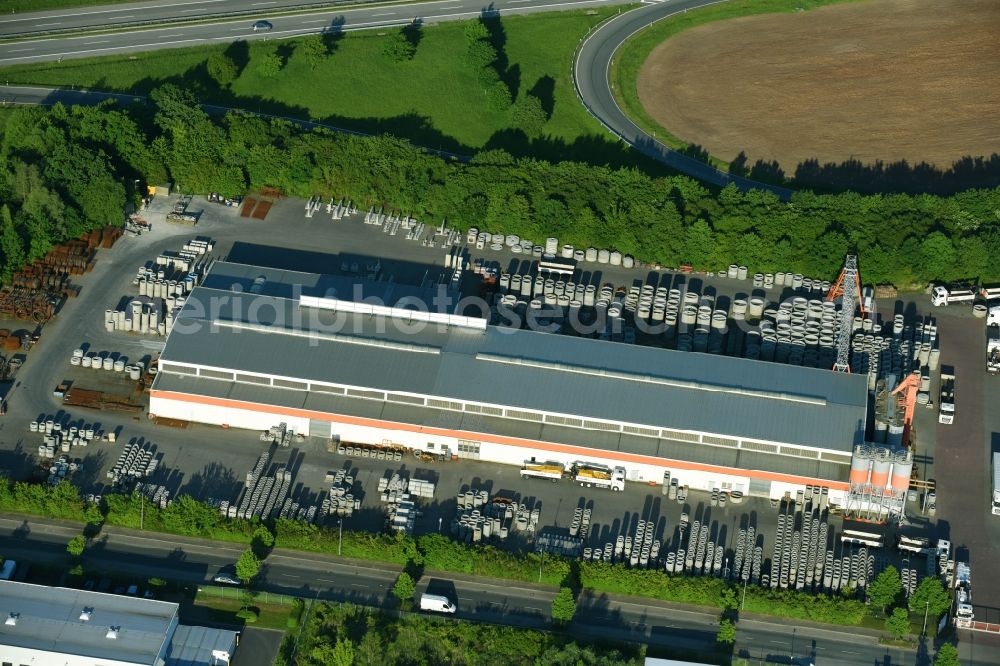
(85, 614)
(113, 632)
(11, 620)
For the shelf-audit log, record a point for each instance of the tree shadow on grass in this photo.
(413, 33)
(545, 90)
(239, 53)
(511, 76)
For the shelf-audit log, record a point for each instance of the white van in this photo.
(436, 603)
(7, 572)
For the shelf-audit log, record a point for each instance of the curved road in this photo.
(591, 70)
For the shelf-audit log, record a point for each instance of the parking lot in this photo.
(210, 462)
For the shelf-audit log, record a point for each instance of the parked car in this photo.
(227, 576)
(262, 26)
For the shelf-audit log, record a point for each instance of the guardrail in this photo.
(203, 18)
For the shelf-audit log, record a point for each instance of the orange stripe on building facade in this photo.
(497, 439)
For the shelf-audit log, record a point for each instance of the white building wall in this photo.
(229, 416)
(488, 451)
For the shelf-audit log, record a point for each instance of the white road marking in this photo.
(358, 585)
(46, 25)
(290, 576)
(177, 35)
(106, 11)
(326, 580)
(19, 50)
(257, 4)
(316, 21)
(385, 14)
(192, 11)
(103, 41)
(118, 18)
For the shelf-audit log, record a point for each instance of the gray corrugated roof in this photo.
(49, 620)
(473, 423)
(516, 368)
(193, 646)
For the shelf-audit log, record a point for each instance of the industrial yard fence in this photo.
(261, 597)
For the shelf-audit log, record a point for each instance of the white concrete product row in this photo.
(551, 249)
(339, 500)
(111, 361)
(698, 477)
(136, 461)
(478, 518)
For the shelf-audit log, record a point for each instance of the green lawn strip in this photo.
(435, 99)
(213, 609)
(633, 54)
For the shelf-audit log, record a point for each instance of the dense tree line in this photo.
(67, 170)
(345, 634)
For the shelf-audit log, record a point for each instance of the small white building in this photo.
(58, 625)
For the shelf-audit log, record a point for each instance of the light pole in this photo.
(725, 566)
(927, 607)
(744, 599)
(340, 531)
(541, 559)
(142, 510)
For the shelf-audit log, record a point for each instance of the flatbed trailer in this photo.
(542, 470)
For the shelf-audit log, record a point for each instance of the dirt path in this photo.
(878, 80)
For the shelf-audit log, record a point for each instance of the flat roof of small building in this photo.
(198, 646)
(48, 619)
(271, 333)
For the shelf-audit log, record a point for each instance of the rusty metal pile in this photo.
(35, 289)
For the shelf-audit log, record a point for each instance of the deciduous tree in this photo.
(886, 588)
(564, 606)
(898, 623)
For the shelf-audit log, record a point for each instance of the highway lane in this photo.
(327, 20)
(106, 16)
(591, 74)
(143, 554)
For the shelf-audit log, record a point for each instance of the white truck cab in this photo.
(436, 603)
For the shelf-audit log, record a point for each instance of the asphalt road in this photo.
(327, 20)
(105, 16)
(594, 88)
(143, 555)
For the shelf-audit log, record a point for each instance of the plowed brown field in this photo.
(881, 80)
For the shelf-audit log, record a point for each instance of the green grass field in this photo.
(633, 54)
(433, 100)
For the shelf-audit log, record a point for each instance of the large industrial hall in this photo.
(256, 346)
